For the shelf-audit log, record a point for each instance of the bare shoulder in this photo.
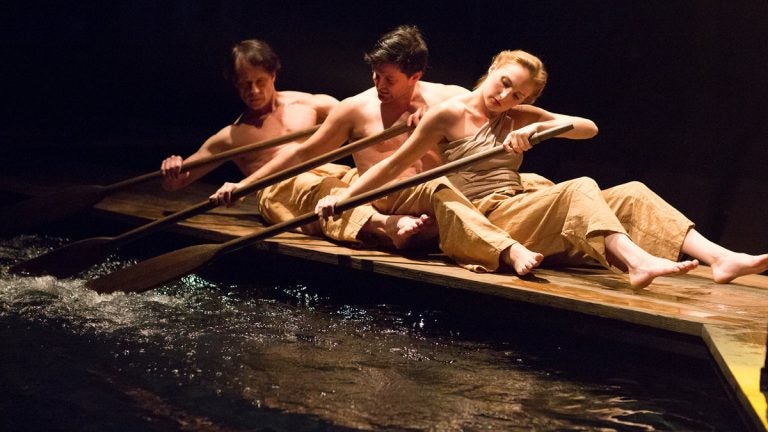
(322, 104)
(448, 111)
(436, 92)
(290, 97)
(360, 103)
(527, 114)
(220, 141)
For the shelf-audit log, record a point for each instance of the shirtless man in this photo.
(398, 61)
(269, 113)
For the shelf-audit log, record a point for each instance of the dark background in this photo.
(677, 87)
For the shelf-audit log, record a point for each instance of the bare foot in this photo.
(643, 273)
(731, 266)
(400, 229)
(521, 259)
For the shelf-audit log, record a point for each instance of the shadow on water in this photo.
(260, 342)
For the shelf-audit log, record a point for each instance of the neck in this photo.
(477, 102)
(407, 102)
(266, 109)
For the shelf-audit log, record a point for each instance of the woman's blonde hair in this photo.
(526, 60)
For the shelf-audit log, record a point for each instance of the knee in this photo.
(327, 186)
(633, 189)
(585, 185)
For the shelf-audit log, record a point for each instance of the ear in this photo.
(416, 76)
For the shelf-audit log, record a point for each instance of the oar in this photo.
(173, 265)
(75, 257)
(39, 211)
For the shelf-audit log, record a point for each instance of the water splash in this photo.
(222, 353)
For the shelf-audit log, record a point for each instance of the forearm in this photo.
(583, 128)
(377, 176)
(173, 182)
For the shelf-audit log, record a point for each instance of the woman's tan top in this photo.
(498, 174)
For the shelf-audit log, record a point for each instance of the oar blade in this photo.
(37, 212)
(67, 260)
(156, 271)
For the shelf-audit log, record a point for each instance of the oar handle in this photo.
(383, 191)
(320, 160)
(225, 155)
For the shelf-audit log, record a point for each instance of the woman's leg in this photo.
(726, 264)
(573, 218)
(643, 267)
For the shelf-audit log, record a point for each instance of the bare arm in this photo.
(323, 104)
(530, 119)
(171, 167)
(429, 133)
(334, 131)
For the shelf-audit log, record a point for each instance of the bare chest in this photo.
(245, 134)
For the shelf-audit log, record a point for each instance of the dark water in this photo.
(262, 343)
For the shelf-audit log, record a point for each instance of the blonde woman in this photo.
(628, 228)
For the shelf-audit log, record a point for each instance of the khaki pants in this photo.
(298, 195)
(568, 222)
(465, 235)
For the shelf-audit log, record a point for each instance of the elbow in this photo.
(588, 129)
(593, 130)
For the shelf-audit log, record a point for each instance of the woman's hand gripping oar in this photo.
(39, 211)
(173, 265)
(76, 257)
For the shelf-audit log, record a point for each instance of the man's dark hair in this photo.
(404, 46)
(256, 53)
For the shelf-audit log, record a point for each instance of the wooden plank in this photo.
(740, 364)
(731, 319)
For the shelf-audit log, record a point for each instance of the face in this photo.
(392, 84)
(255, 86)
(507, 86)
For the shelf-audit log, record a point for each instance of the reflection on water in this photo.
(264, 343)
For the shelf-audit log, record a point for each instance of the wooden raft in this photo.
(731, 319)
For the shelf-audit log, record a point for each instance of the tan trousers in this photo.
(465, 235)
(298, 195)
(568, 222)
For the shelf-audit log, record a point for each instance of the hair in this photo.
(404, 46)
(526, 60)
(256, 53)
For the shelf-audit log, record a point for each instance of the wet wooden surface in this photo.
(731, 319)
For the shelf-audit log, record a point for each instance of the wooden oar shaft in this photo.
(262, 183)
(164, 268)
(39, 211)
(157, 224)
(225, 155)
(320, 160)
(383, 191)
